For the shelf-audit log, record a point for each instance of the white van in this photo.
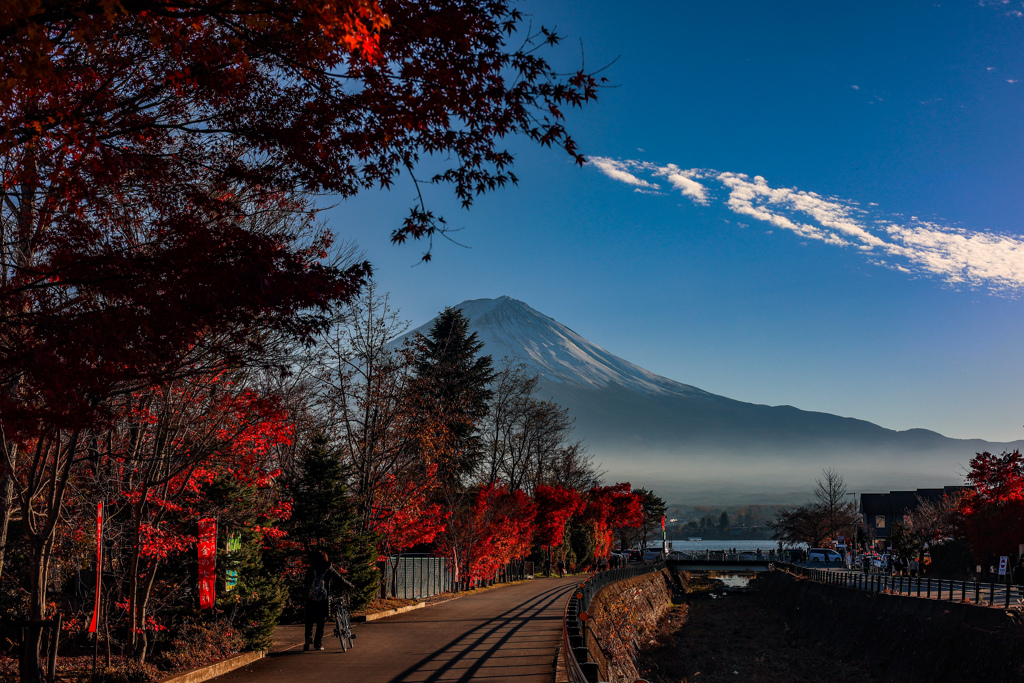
(825, 555)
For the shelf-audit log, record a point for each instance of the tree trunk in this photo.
(6, 515)
(142, 642)
(31, 670)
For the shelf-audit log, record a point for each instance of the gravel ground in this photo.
(716, 636)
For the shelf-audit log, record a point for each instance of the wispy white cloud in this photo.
(623, 170)
(684, 182)
(617, 170)
(914, 246)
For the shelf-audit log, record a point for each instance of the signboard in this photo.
(1003, 561)
(879, 521)
(231, 575)
(99, 566)
(207, 546)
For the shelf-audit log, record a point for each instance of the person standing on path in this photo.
(319, 577)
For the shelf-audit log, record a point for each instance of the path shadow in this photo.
(471, 645)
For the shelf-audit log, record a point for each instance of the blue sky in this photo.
(803, 203)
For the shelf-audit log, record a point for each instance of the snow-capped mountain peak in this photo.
(511, 328)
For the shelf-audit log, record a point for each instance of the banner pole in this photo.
(94, 625)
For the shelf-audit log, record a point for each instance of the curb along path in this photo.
(506, 634)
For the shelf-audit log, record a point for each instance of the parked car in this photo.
(826, 555)
(653, 555)
(633, 555)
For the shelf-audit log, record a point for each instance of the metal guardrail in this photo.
(576, 657)
(999, 595)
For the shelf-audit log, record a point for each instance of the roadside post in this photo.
(1004, 561)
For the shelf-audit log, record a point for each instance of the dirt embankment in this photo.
(714, 637)
(793, 630)
(624, 616)
(911, 639)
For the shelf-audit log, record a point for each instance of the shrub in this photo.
(196, 644)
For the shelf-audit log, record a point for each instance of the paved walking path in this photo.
(504, 635)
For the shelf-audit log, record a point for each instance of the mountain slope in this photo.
(691, 444)
(511, 328)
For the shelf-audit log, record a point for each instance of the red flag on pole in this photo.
(99, 566)
(663, 522)
(207, 546)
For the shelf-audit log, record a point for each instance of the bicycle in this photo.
(343, 624)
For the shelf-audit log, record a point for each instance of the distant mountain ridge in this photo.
(695, 446)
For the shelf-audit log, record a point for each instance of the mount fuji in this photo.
(694, 447)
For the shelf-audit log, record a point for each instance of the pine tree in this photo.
(452, 379)
(255, 603)
(324, 516)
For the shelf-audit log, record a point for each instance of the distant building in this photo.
(882, 510)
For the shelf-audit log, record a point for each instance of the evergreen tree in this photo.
(581, 542)
(324, 516)
(452, 379)
(653, 510)
(257, 599)
(723, 524)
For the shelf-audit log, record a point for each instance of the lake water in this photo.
(740, 546)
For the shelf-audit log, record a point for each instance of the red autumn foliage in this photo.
(609, 508)
(404, 514)
(555, 507)
(168, 445)
(495, 529)
(160, 159)
(993, 512)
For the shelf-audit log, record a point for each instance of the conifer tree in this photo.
(452, 379)
(324, 516)
(256, 601)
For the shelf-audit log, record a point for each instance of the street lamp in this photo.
(853, 534)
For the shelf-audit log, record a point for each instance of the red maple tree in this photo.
(993, 512)
(488, 533)
(154, 467)
(609, 508)
(556, 505)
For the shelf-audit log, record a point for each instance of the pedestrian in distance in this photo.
(561, 567)
(320, 577)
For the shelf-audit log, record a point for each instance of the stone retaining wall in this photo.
(624, 615)
(913, 639)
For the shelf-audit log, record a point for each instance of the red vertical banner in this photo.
(99, 566)
(207, 562)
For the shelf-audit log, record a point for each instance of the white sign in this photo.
(1003, 561)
